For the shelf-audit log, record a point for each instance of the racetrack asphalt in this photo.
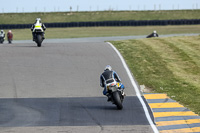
(55, 89)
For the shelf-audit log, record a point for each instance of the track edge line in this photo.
(136, 89)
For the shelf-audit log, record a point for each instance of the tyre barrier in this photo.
(108, 23)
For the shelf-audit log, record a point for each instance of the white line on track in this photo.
(136, 89)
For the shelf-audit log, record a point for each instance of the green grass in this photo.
(25, 34)
(166, 65)
(28, 18)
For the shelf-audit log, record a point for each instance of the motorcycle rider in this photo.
(109, 76)
(2, 34)
(38, 25)
(154, 34)
(9, 36)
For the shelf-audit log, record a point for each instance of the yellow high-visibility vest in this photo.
(38, 26)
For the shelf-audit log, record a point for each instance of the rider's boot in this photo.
(123, 94)
(43, 36)
(33, 37)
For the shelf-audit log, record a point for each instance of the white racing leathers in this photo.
(38, 28)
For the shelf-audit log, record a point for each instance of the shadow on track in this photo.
(74, 111)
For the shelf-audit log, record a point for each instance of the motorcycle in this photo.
(116, 94)
(38, 37)
(1, 38)
(10, 37)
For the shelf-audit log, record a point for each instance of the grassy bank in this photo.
(25, 34)
(28, 18)
(166, 65)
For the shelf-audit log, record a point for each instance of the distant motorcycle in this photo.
(10, 36)
(38, 37)
(38, 32)
(116, 94)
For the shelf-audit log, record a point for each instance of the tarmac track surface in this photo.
(55, 89)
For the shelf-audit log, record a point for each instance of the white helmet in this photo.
(108, 67)
(38, 20)
(154, 31)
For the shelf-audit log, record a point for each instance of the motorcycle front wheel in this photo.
(39, 40)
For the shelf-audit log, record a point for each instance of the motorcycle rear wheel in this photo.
(1, 41)
(117, 100)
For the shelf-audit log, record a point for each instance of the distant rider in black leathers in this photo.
(154, 34)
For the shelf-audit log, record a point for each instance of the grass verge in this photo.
(25, 34)
(166, 65)
(51, 17)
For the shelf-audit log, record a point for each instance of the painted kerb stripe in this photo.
(183, 130)
(156, 96)
(165, 105)
(166, 108)
(166, 114)
(167, 123)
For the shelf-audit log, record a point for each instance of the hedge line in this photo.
(108, 23)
